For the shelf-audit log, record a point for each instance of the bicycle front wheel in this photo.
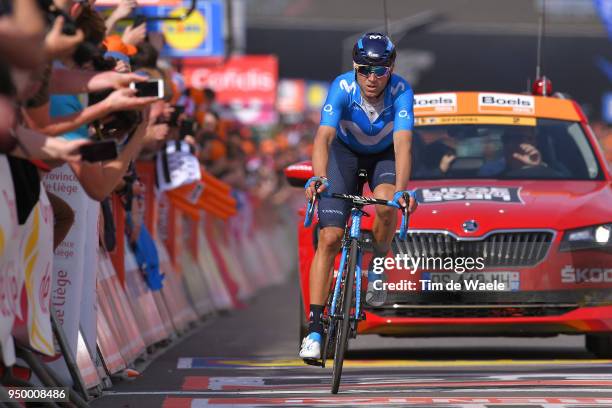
(344, 326)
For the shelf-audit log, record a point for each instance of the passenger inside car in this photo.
(521, 158)
(551, 150)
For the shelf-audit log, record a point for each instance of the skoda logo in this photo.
(470, 226)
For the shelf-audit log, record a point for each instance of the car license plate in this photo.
(510, 279)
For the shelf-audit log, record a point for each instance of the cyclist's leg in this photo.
(333, 215)
(382, 183)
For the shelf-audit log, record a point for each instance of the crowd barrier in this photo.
(215, 249)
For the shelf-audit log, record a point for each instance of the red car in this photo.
(519, 185)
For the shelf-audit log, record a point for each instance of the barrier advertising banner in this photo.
(69, 265)
(36, 249)
(9, 234)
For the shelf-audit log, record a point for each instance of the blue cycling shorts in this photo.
(342, 173)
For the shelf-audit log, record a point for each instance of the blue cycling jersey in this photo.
(344, 111)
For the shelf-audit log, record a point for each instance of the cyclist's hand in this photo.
(311, 190)
(412, 202)
(412, 205)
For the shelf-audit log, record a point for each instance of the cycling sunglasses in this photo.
(366, 70)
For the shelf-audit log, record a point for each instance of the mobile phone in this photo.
(152, 87)
(178, 110)
(187, 128)
(139, 20)
(99, 151)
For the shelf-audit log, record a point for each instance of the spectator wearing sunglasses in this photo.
(366, 123)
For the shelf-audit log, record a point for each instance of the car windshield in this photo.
(546, 149)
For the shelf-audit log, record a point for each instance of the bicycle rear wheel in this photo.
(343, 327)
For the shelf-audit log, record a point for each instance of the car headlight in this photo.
(597, 236)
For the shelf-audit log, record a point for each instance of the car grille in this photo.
(475, 311)
(499, 249)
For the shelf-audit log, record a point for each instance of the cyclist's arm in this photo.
(402, 138)
(330, 117)
(320, 149)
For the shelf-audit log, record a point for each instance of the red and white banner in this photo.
(246, 84)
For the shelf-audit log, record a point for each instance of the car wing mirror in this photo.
(298, 174)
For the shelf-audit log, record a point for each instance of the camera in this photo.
(85, 51)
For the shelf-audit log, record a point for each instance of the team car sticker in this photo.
(471, 119)
(505, 103)
(481, 193)
(435, 103)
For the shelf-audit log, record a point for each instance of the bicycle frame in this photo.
(355, 232)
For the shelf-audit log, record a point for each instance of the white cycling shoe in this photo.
(311, 347)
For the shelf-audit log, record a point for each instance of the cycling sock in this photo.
(315, 325)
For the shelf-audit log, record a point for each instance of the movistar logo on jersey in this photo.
(399, 87)
(348, 88)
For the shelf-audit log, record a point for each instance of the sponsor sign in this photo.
(199, 35)
(572, 274)
(435, 103)
(246, 84)
(472, 119)
(506, 103)
(481, 193)
(72, 260)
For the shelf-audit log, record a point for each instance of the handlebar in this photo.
(358, 200)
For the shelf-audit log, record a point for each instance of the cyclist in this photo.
(366, 123)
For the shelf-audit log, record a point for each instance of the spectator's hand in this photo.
(157, 132)
(190, 140)
(124, 9)
(69, 150)
(122, 67)
(168, 109)
(446, 161)
(134, 35)
(158, 112)
(124, 99)
(529, 156)
(114, 80)
(58, 45)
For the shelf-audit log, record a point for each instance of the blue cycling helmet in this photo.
(374, 49)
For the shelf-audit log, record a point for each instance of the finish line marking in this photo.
(205, 383)
(187, 363)
(459, 402)
(348, 391)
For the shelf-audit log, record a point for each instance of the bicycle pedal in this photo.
(313, 362)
